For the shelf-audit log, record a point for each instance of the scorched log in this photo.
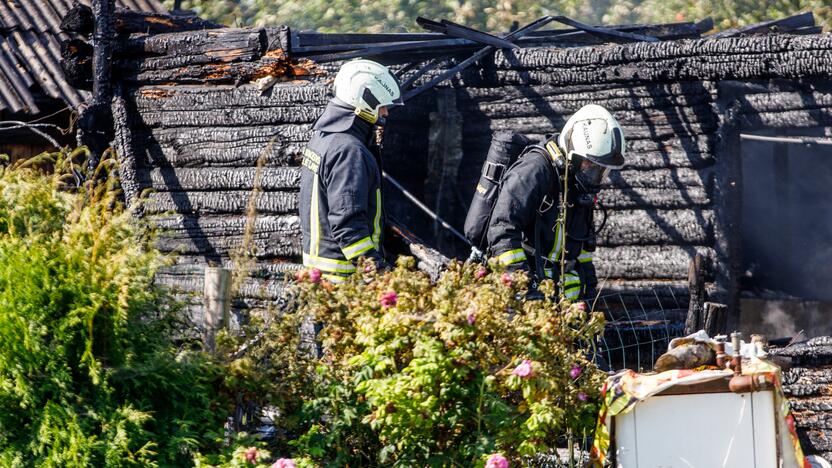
(665, 227)
(655, 262)
(220, 179)
(220, 202)
(655, 198)
(79, 19)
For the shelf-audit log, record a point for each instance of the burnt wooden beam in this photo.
(787, 24)
(606, 33)
(452, 29)
(714, 318)
(128, 160)
(696, 281)
(657, 198)
(76, 63)
(219, 179)
(95, 124)
(654, 226)
(219, 202)
(445, 74)
(649, 262)
(317, 43)
(79, 19)
(204, 46)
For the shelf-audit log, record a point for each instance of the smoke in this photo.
(778, 321)
(781, 318)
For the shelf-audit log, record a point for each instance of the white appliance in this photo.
(699, 430)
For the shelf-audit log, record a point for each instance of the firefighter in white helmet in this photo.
(340, 187)
(526, 231)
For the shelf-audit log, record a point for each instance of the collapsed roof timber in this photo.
(196, 109)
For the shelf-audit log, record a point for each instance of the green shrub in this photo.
(415, 374)
(412, 373)
(89, 375)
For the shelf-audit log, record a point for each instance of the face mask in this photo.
(589, 179)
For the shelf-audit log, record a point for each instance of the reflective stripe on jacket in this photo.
(340, 194)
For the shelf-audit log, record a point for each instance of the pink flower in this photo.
(480, 273)
(284, 463)
(472, 318)
(314, 275)
(496, 460)
(582, 396)
(524, 369)
(369, 268)
(300, 275)
(575, 371)
(251, 455)
(506, 279)
(389, 299)
(581, 306)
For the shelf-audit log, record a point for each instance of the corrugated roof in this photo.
(30, 50)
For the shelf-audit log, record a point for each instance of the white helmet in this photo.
(367, 86)
(593, 133)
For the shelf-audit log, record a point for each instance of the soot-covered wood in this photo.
(808, 386)
(79, 19)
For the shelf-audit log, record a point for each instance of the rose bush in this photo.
(414, 373)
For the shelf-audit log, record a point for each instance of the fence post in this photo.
(714, 318)
(217, 305)
(696, 283)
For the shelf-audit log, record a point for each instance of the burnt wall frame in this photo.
(743, 108)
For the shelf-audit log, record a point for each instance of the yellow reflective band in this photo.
(353, 250)
(327, 264)
(572, 294)
(570, 279)
(512, 256)
(334, 279)
(314, 220)
(549, 272)
(585, 257)
(555, 252)
(377, 221)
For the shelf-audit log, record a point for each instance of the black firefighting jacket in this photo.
(340, 194)
(524, 233)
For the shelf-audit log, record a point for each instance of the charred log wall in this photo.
(191, 128)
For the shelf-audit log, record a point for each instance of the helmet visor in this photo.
(593, 175)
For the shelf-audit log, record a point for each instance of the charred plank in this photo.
(213, 179)
(79, 19)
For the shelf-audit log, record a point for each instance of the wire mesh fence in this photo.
(640, 324)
